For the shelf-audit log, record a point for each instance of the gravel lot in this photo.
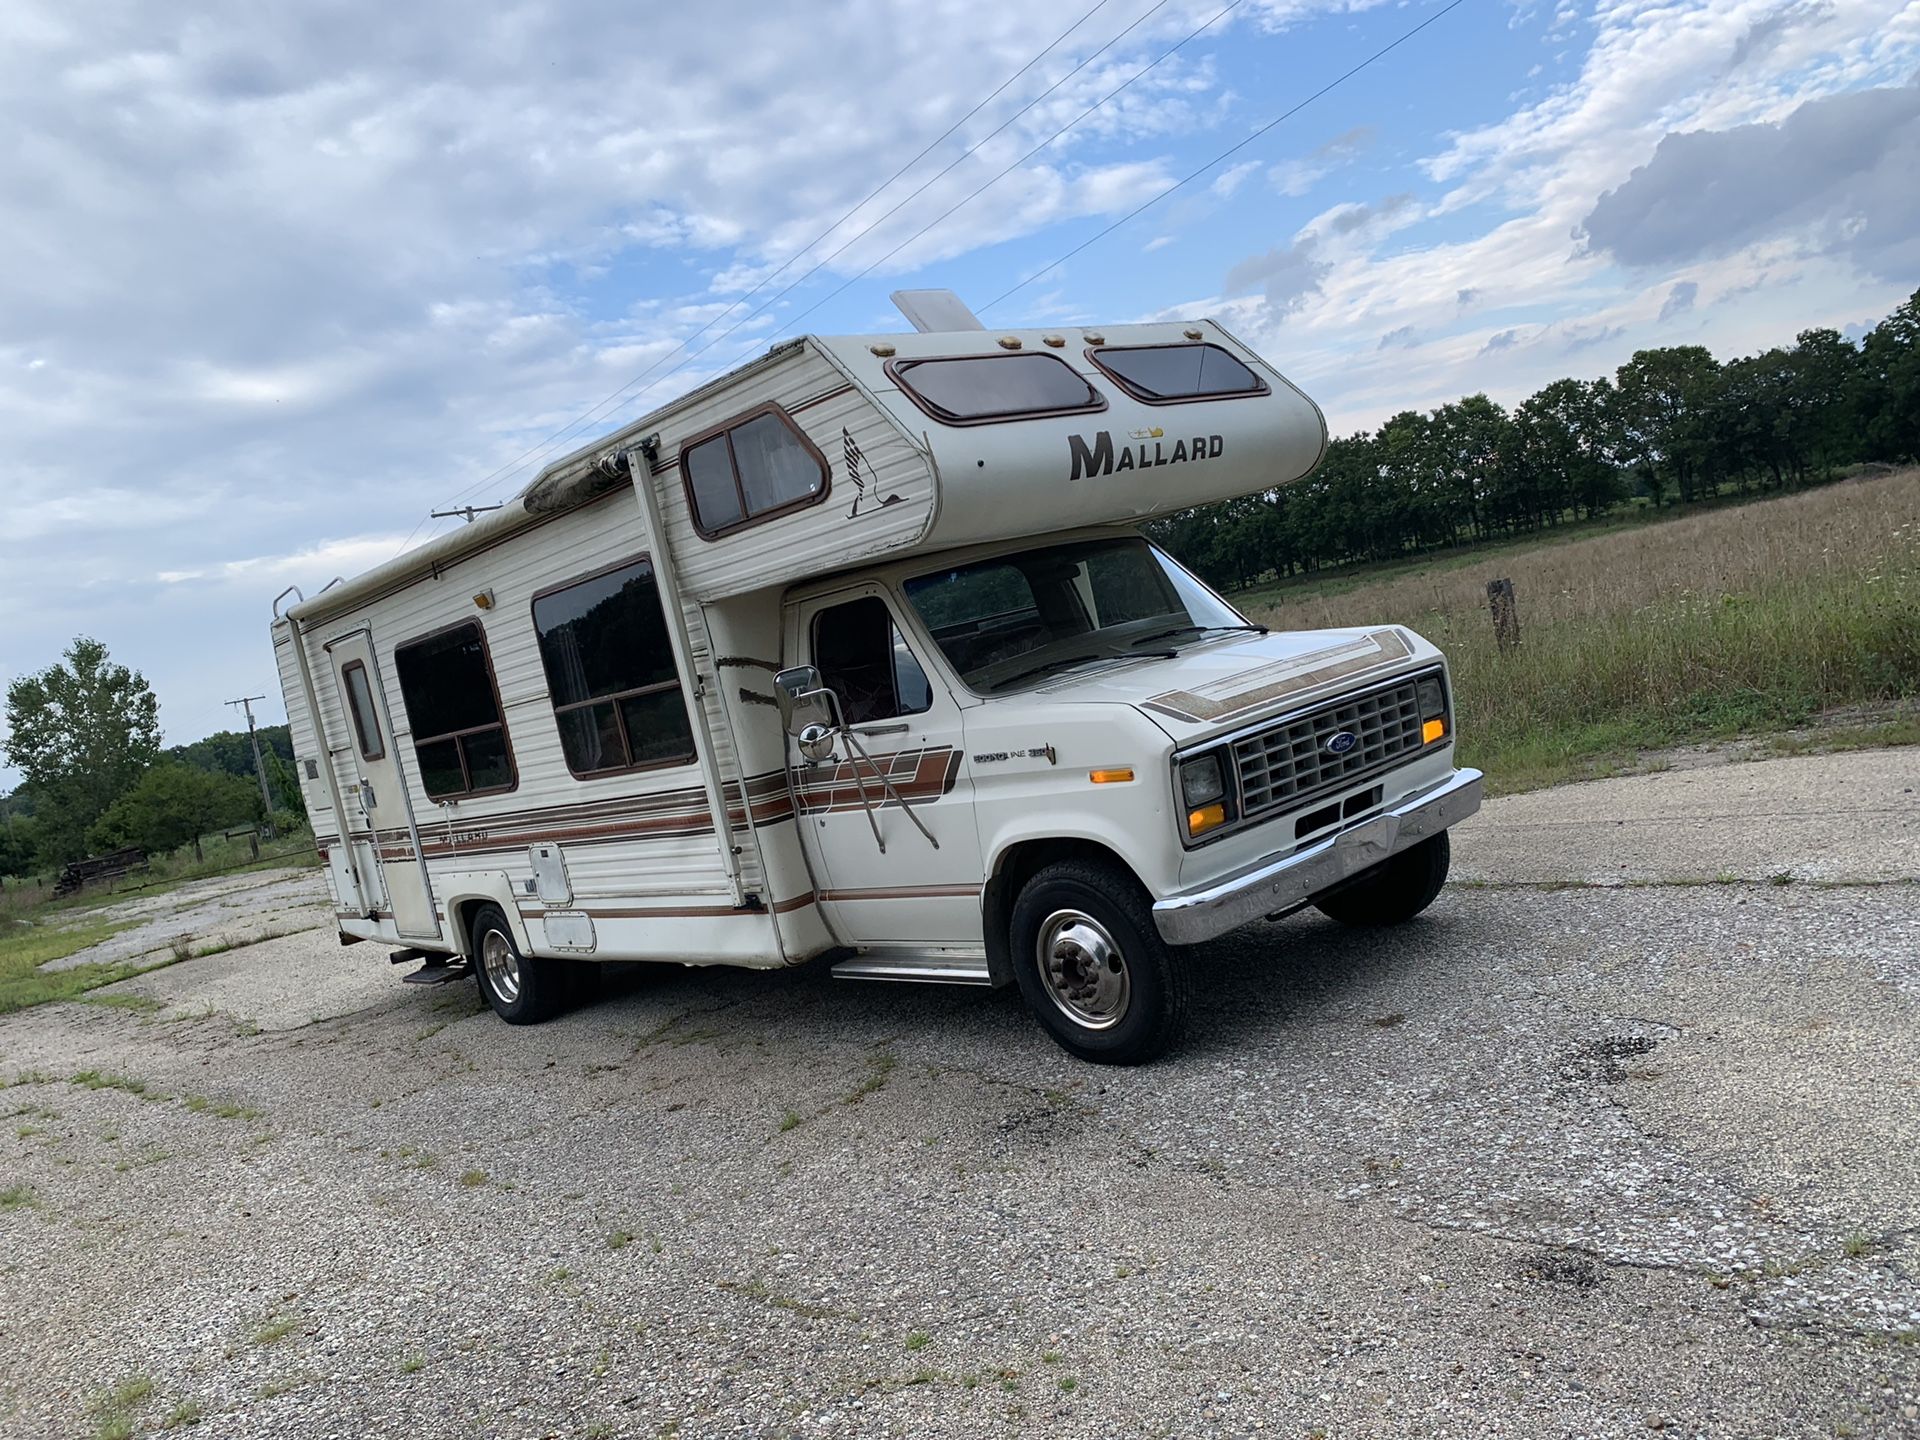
(1603, 1160)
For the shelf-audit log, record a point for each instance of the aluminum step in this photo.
(441, 974)
(927, 967)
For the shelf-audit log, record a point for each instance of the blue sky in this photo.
(276, 283)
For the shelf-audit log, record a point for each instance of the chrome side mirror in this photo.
(815, 742)
(804, 702)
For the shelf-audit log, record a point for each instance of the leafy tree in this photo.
(19, 846)
(285, 783)
(82, 732)
(1889, 387)
(172, 805)
(228, 752)
(1661, 402)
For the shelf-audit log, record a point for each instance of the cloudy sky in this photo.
(275, 281)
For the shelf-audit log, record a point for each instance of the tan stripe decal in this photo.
(1254, 689)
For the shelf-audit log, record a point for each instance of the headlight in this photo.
(1203, 786)
(1433, 698)
(1433, 709)
(1201, 781)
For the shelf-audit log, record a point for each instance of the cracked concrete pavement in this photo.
(1633, 1156)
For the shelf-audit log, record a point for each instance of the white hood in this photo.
(1224, 683)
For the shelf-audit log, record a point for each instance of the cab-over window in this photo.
(752, 470)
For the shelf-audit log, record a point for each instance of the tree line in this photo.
(1671, 426)
(86, 734)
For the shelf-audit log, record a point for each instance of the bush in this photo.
(174, 804)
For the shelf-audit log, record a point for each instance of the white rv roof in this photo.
(1000, 476)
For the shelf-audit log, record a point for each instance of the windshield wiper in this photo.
(1196, 630)
(1063, 661)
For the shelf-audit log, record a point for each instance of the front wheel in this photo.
(1092, 966)
(1394, 892)
(522, 989)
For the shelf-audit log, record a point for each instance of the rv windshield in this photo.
(1015, 618)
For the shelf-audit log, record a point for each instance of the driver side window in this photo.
(865, 660)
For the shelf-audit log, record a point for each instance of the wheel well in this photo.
(460, 921)
(1019, 863)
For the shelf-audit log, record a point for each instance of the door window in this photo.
(865, 660)
(366, 723)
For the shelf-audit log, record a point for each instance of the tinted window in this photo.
(1177, 372)
(610, 671)
(753, 470)
(366, 725)
(865, 660)
(994, 387)
(446, 684)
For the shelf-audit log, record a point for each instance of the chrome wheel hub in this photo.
(502, 966)
(1084, 973)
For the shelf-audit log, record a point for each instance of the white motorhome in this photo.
(854, 651)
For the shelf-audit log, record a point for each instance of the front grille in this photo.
(1288, 765)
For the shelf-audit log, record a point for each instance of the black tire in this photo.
(1395, 892)
(1140, 1008)
(526, 990)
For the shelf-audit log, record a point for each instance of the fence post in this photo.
(253, 838)
(1506, 614)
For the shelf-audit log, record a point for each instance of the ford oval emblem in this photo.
(1340, 742)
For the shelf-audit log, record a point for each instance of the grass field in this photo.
(25, 948)
(1739, 620)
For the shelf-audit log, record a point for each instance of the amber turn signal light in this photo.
(1432, 731)
(1110, 777)
(1207, 817)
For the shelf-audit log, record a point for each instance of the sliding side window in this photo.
(610, 671)
(752, 470)
(453, 709)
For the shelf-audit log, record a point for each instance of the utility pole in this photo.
(245, 702)
(465, 512)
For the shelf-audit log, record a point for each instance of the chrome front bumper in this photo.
(1270, 885)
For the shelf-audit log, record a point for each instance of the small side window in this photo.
(1170, 374)
(865, 660)
(752, 470)
(366, 722)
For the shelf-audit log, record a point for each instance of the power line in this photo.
(1229, 151)
(966, 199)
(871, 196)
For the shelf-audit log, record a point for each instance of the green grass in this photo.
(15, 1196)
(187, 1412)
(25, 948)
(1743, 620)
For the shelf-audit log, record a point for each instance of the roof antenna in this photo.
(929, 310)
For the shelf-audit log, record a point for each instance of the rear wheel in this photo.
(1396, 891)
(1092, 966)
(522, 989)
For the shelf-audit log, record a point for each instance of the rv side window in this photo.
(1169, 374)
(754, 469)
(981, 389)
(366, 725)
(864, 659)
(453, 709)
(610, 671)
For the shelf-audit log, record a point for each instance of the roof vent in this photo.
(931, 310)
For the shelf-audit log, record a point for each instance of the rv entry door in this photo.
(870, 823)
(379, 824)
